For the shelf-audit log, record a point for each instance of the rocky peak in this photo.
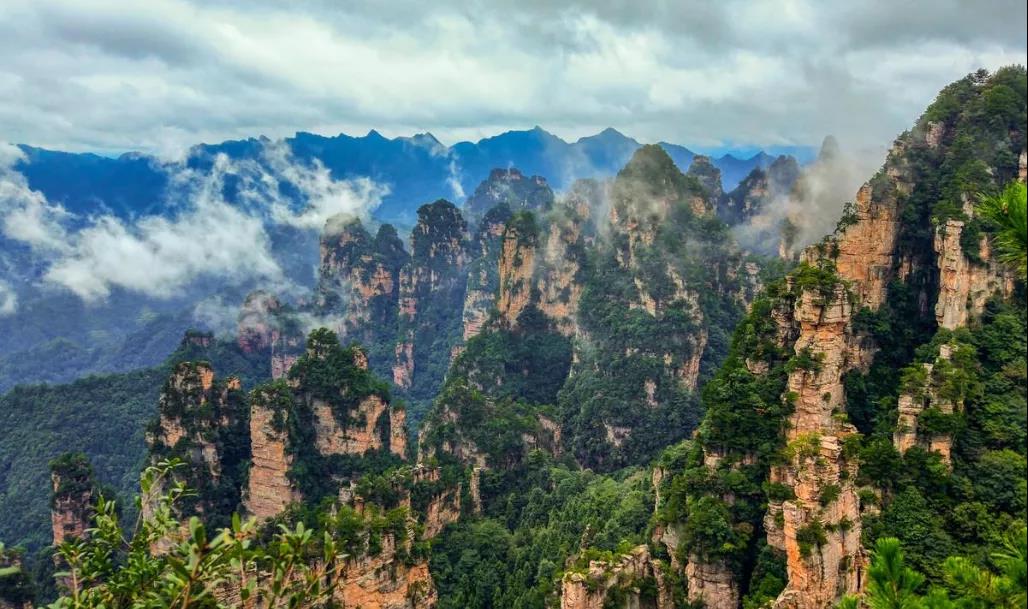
(516, 267)
(966, 281)
(388, 246)
(359, 284)
(783, 172)
(930, 393)
(267, 326)
(359, 275)
(332, 405)
(619, 582)
(71, 505)
(709, 176)
(432, 293)
(255, 328)
(866, 247)
(748, 199)
(439, 239)
(203, 422)
(822, 570)
(569, 234)
(890, 233)
(509, 186)
(269, 488)
(491, 228)
(651, 175)
(643, 195)
(483, 279)
(753, 195)
(343, 241)
(829, 151)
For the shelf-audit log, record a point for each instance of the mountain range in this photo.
(416, 169)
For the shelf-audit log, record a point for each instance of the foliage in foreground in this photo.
(166, 563)
(1007, 212)
(893, 585)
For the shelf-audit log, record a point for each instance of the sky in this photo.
(160, 75)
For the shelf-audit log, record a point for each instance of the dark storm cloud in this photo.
(163, 74)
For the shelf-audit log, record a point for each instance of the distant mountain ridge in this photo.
(417, 168)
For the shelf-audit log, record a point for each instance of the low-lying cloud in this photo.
(208, 237)
(812, 207)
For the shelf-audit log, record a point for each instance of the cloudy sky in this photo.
(162, 74)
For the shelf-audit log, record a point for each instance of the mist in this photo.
(812, 207)
(207, 238)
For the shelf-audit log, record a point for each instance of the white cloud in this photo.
(324, 196)
(8, 299)
(25, 214)
(208, 238)
(104, 75)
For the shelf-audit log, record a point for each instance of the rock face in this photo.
(443, 510)
(867, 247)
(187, 391)
(332, 406)
(385, 581)
(340, 418)
(516, 268)
(818, 527)
(203, 422)
(710, 177)
(432, 290)
(359, 281)
(570, 233)
(269, 488)
(483, 273)
(265, 326)
(712, 584)
(364, 434)
(375, 575)
(932, 391)
(503, 256)
(965, 285)
(71, 478)
(522, 259)
(617, 584)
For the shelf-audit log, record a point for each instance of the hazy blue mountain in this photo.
(417, 168)
(734, 169)
(126, 186)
